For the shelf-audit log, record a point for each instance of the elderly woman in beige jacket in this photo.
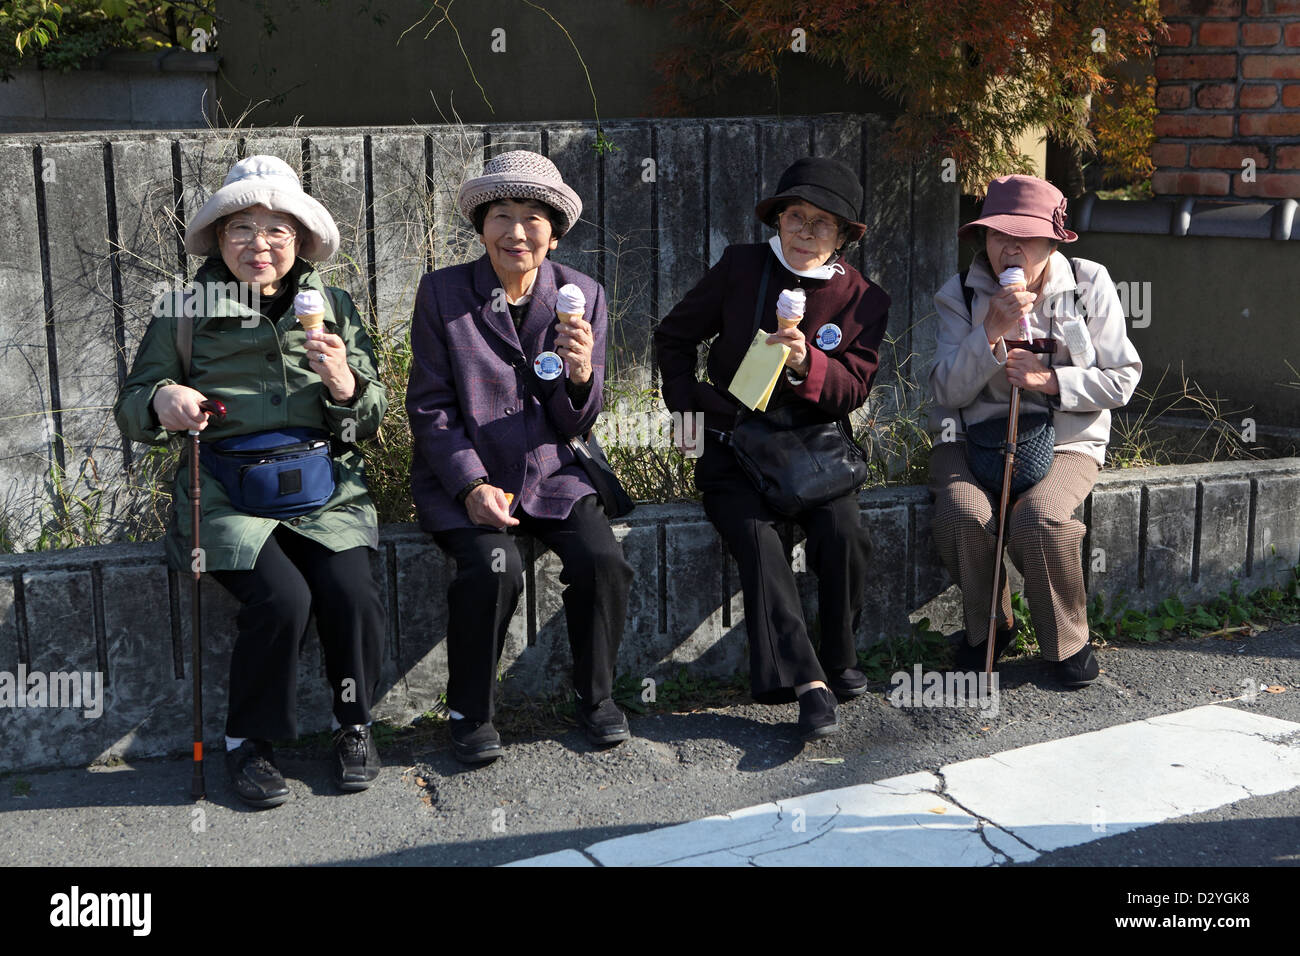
(1074, 301)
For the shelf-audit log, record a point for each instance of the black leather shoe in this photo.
(968, 658)
(475, 741)
(1079, 669)
(356, 759)
(848, 683)
(817, 714)
(604, 723)
(254, 776)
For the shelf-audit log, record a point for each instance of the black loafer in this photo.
(848, 683)
(254, 776)
(972, 658)
(817, 714)
(475, 741)
(356, 759)
(604, 723)
(1079, 669)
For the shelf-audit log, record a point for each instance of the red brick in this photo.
(1293, 34)
(1175, 34)
(1291, 95)
(1257, 96)
(1200, 8)
(1285, 7)
(1226, 157)
(1217, 127)
(1216, 67)
(1265, 124)
(1254, 8)
(1288, 157)
(1190, 184)
(1217, 34)
(1260, 67)
(1174, 97)
(1260, 34)
(1267, 8)
(1169, 154)
(1216, 96)
(1269, 186)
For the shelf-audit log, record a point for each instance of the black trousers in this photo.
(293, 577)
(489, 579)
(781, 652)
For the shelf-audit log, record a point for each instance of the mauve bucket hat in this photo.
(1023, 206)
(271, 182)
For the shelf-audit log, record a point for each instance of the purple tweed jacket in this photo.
(472, 416)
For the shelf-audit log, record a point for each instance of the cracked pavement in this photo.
(554, 792)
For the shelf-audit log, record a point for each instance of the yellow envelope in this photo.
(758, 372)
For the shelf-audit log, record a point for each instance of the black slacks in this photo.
(781, 652)
(293, 577)
(489, 579)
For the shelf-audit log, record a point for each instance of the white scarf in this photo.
(821, 272)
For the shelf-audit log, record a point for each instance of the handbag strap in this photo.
(762, 295)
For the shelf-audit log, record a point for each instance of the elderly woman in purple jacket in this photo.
(500, 380)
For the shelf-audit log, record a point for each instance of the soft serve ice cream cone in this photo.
(789, 308)
(309, 307)
(570, 303)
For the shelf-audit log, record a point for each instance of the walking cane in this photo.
(1008, 465)
(197, 789)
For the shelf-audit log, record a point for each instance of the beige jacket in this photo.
(969, 376)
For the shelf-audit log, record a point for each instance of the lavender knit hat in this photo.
(520, 174)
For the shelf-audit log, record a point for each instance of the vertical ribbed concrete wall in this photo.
(92, 228)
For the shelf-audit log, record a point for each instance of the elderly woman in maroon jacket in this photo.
(833, 356)
(498, 385)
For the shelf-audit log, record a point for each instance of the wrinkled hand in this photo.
(797, 361)
(177, 408)
(573, 344)
(487, 505)
(1024, 370)
(327, 356)
(1005, 310)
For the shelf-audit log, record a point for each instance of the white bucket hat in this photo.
(520, 174)
(270, 182)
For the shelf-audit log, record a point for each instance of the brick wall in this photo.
(1229, 91)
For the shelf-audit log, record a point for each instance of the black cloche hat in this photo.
(827, 184)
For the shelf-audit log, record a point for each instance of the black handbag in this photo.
(986, 444)
(614, 498)
(796, 459)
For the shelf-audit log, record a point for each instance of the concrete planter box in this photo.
(117, 611)
(173, 89)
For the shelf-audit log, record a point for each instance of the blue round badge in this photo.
(548, 366)
(829, 336)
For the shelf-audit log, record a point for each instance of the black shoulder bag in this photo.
(796, 459)
(986, 441)
(614, 499)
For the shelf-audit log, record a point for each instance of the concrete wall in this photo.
(521, 65)
(92, 227)
(171, 90)
(116, 610)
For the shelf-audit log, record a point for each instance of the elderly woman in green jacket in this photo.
(286, 536)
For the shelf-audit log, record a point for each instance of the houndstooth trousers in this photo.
(1044, 540)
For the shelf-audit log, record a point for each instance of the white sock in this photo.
(455, 715)
(232, 743)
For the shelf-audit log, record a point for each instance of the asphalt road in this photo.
(552, 791)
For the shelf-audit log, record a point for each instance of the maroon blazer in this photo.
(722, 304)
(470, 412)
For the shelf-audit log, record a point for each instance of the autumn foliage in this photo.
(969, 75)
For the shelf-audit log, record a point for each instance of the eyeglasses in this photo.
(791, 221)
(243, 232)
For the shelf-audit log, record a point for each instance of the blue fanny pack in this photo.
(273, 474)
